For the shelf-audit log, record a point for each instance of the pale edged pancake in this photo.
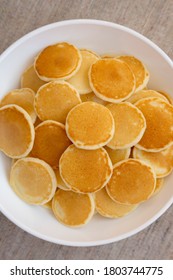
(57, 62)
(33, 180)
(80, 80)
(112, 80)
(159, 119)
(145, 94)
(118, 155)
(139, 70)
(132, 182)
(60, 183)
(24, 98)
(54, 100)
(159, 186)
(85, 171)
(92, 97)
(73, 209)
(130, 125)
(167, 95)
(16, 131)
(30, 79)
(90, 125)
(161, 162)
(50, 142)
(108, 208)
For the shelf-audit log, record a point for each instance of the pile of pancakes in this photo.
(86, 135)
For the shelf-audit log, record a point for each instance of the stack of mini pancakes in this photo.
(86, 135)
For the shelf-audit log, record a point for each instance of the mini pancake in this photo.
(24, 98)
(50, 142)
(54, 100)
(159, 119)
(90, 125)
(80, 80)
(159, 185)
(118, 155)
(73, 209)
(106, 207)
(132, 182)
(138, 69)
(60, 183)
(112, 80)
(92, 97)
(29, 79)
(85, 171)
(161, 162)
(168, 97)
(145, 94)
(56, 62)
(33, 180)
(130, 125)
(16, 130)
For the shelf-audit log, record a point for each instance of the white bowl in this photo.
(102, 37)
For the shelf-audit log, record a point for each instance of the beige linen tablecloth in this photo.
(154, 19)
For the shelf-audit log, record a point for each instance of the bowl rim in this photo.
(169, 61)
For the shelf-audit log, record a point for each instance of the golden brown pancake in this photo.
(118, 155)
(90, 125)
(92, 97)
(33, 180)
(56, 62)
(159, 185)
(138, 69)
(161, 162)
(130, 125)
(106, 207)
(50, 142)
(85, 171)
(24, 98)
(145, 94)
(80, 80)
(73, 209)
(54, 100)
(132, 182)
(60, 183)
(159, 119)
(30, 79)
(16, 131)
(112, 80)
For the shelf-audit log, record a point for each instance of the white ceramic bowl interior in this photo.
(103, 38)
